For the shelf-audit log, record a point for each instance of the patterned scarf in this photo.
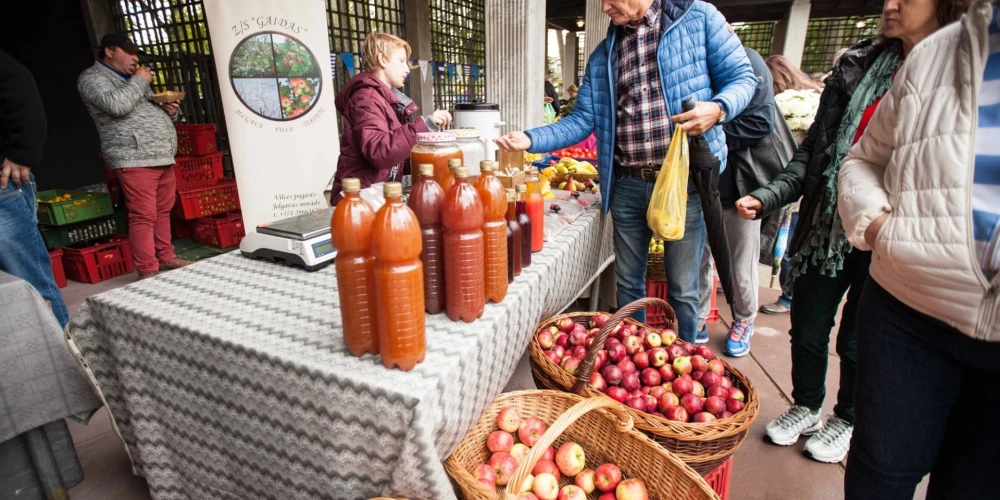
(826, 244)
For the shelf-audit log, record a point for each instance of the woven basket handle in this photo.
(555, 430)
(586, 370)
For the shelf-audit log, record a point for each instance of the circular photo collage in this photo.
(274, 75)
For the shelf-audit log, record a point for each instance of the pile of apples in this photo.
(648, 371)
(510, 445)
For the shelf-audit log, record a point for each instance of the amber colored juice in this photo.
(351, 226)
(536, 211)
(399, 285)
(525, 221)
(494, 201)
(426, 200)
(462, 218)
(442, 174)
(514, 237)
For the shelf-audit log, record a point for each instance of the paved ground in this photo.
(760, 471)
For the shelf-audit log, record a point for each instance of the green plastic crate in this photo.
(81, 232)
(79, 207)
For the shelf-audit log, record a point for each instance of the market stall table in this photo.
(230, 379)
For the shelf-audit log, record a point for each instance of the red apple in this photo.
(715, 405)
(645, 390)
(504, 465)
(570, 459)
(578, 328)
(698, 363)
(676, 413)
(651, 402)
(658, 357)
(545, 486)
(688, 347)
(611, 341)
(598, 320)
(578, 338)
(697, 389)
(617, 394)
(669, 386)
(593, 332)
(526, 485)
(508, 419)
(682, 386)
(632, 345)
(630, 382)
(667, 373)
(627, 366)
(726, 382)
(499, 441)
(553, 356)
(571, 365)
(703, 417)
(600, 360)
(667, 400)
(531, 431)
(652, 340)
(717, 391)
(641, 360)
(528, 496)
(485, 474)
(616, 353)
(734, 405)
(607, 496)
(586, 480)
(668, 336)
(597, 382)
(675, 351)
(572, 492)
(710, 378)
(618, 328)
(682, 365)
(560, 350)
(546, 340)
(650, 377)
(697, 375)
(549, 454)
(607, 477)
(716, 366)
(655, 414)
(566, 324)
(546, 467)
(631, 489)
(636, 403)
(561, 339)
(657, 391)
(686, 377)
(692, 403)
(726, 414)
(519, 451)
(736, 393)
(578, 352)
(612, 374)
(705, 352)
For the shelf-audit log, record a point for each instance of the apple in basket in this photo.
(546, 340)
(666, 401)
(697, 375)
(504, 465)
(703, 417)
(711, 378)
(658, 357)
(545, 486)
(527, 496)
(566, 324)
(598, 320)
(508, 419)
(631, 489)
(734, 405)
(546, 467)
(736, 393)
(578, 338)
(616, 353)
(650, 403)
(553, 356)
(571, 365)
(617, 394)
(632, 345)
(641, 360)
(682, 365)
(705, 352)
(572, 492)
(668, 336)
(698, 389)
(630, 382)
(652, 340)
(597, 382)
(527, 484)
(657, 391)
(519, 451)
(667, 373)
(578, 328)
(531, 431)
(726, 382)
(691, 403)
(601, 360)
(613, 375)
(586, 480)
(698, 363)
(676, 413)
(579, 352)
(499, 441)
(716, 366)
(561, 339)
(717, 391)
(549, 454)
(571, 459)
(560, 350)
(486, 475)
(715, 405)
(726, 414)
(674, 351)
(627, 366)
(637, 403)
(688, 348)
(650, 377)
(607, 477)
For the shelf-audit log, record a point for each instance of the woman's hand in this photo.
(871, 232)
(441, 118)
(514, 141)
(749, 207)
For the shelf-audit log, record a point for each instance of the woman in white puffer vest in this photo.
(922, 191)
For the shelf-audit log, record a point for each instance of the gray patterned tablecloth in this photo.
(39, 380)
(230, 379)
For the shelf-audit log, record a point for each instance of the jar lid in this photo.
(435, 137)
(466, 133)
(477, 106)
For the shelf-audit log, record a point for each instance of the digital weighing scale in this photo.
(303, 241)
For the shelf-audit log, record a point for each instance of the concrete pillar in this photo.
(778, 37)
(795, 31)
(569, 62)
(515, 43)
(418, 35)
(99, 20)
(596, 27)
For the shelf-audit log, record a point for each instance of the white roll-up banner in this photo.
(273, 62)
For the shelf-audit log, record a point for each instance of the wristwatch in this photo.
(722, 112)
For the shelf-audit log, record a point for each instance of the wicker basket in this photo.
(560, 178)
(606, 436)
(703, 446)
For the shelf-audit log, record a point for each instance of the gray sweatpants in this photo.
(744, 251)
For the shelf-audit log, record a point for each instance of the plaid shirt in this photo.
(643, 133)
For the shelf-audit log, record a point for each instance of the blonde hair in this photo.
(786, 75)
(376, 44)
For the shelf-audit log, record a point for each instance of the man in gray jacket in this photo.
(138, 141)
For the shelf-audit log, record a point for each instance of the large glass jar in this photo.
(473, 149)
(436, 148)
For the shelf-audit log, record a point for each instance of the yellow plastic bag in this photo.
(668, 207)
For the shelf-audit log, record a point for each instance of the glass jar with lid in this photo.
(473, 149)
(436, 148)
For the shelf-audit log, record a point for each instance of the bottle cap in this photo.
(452, 163)
(351, 185)
(392, 189)
(510, 191)
(521, 188)
(511, 195)
(487, 166)
(426, 169)
(461, 172)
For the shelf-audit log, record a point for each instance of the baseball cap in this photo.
(121, 41)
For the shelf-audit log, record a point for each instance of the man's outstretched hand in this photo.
(514, 141)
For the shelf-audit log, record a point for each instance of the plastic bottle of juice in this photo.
(525, 221)
(513, 235)
(351, 226)
(494, 231)
(399, 282)
(462, 218)
(536, 209)
(426, 200)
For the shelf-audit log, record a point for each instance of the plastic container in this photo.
(55, 209)
(193, 172)
(202, 202)
(462, 219)
(351, 227)
(58, 272)
(473, 150)
(513, 235)
(94, 263)
(195, 139)
(71, 234)
(219, 231)
(536, 210)
(494, 201)
(399, 282)
(436, 148)
(658, 289)
(720, 478)
(525, 221)
(180, 229)
(426, 200)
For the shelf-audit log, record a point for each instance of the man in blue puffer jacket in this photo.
(657, 53)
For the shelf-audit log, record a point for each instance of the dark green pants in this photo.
(815, 301)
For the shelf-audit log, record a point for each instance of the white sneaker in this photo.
(789, 426)
(831, 443)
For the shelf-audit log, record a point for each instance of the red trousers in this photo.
(149, 194)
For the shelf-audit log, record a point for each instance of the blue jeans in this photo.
(927, 401)
(22, 251)
(786, 291)
(682, 259)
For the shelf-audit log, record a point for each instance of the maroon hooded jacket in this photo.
(378, 132)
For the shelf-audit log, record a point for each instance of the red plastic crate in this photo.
(94, 263)
(658, 289)
(195, 139)
(57, 267)
(203, 202)
(180, 229)
(720, 478)
(193, 172)
(220, 231)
